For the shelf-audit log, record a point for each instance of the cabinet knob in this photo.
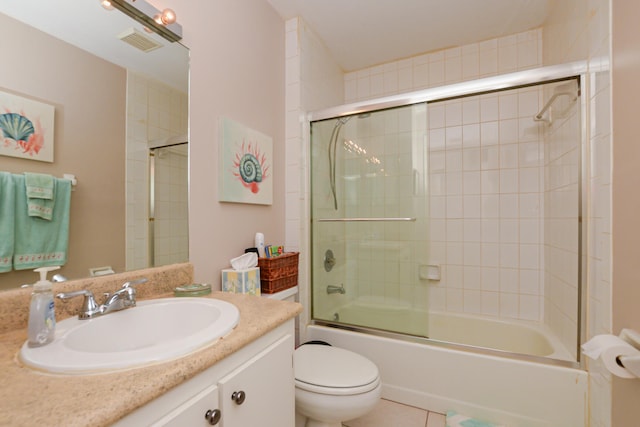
(238, 397)
(213, 416)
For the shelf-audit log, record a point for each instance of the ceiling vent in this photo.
(139, 40)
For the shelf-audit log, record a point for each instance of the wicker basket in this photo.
(279, 273)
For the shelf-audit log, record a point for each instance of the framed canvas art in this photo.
(246, 159)
(26, 128)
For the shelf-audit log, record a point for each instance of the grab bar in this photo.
(364, 219)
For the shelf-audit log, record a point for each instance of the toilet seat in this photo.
(331, 370)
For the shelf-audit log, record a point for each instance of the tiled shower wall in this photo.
(154, 111)
(486, 173)
(483, 59)
(485, 238)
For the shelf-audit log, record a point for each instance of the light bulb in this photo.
(106, 4)
(168, 16)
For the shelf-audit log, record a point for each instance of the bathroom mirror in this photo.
(117, 108)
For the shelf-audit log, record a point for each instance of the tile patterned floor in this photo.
(388, 413)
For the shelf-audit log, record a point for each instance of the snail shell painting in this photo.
(250, 171)
(246, 156)
(251, 167)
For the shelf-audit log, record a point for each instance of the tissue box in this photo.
(245, 281)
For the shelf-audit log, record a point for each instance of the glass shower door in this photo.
(369, 220)
(168, 205)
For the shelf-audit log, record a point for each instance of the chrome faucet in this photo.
(333, 289)
(123, 298)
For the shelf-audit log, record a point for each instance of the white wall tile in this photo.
(471, 135)
(489, 133)
(436, 73)
(490, 279)
(471, 110)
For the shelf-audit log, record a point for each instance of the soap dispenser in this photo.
(259, 242)
(42, 316)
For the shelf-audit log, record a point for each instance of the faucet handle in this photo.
(134, 282)
(89, 306)
(128, 290)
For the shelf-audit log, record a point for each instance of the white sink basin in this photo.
(153, 331)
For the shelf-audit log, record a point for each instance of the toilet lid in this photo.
(327, 366)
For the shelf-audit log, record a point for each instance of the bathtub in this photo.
(514, 390)
(514, 336)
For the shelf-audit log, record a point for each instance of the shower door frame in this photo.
(579, 70)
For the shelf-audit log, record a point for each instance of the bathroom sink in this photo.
(153, 331)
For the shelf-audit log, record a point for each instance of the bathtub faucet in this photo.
(333, 289)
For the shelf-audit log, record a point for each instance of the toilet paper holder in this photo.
(630, 363)
(619, 354)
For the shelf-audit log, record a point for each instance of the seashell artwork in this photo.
(26, 128)
(245, 164)
(250, 169)
(16, 126)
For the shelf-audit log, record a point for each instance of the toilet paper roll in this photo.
(608, 348)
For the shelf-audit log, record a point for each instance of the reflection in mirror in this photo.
(116, 107)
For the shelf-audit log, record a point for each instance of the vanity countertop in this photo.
(28, 397)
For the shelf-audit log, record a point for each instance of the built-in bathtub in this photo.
(507, 384)
(513, 336)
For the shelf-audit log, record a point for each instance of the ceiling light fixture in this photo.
(164, 23)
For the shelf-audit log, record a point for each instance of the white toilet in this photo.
(333, 384)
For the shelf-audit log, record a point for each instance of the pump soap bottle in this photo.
(259, 242)
(42, 316)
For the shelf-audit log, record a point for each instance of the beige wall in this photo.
(236, 71)
(89, 98)
(626, 199)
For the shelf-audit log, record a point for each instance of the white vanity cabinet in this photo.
(195, 411)
(253, 387)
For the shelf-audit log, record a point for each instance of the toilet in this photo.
(333, 385)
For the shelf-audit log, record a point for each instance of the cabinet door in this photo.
(261, 392)
(192, 412)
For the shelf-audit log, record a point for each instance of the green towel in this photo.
(40, 189)
(454, 419)
(39, 242)
(7, 217)
(39, 185)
